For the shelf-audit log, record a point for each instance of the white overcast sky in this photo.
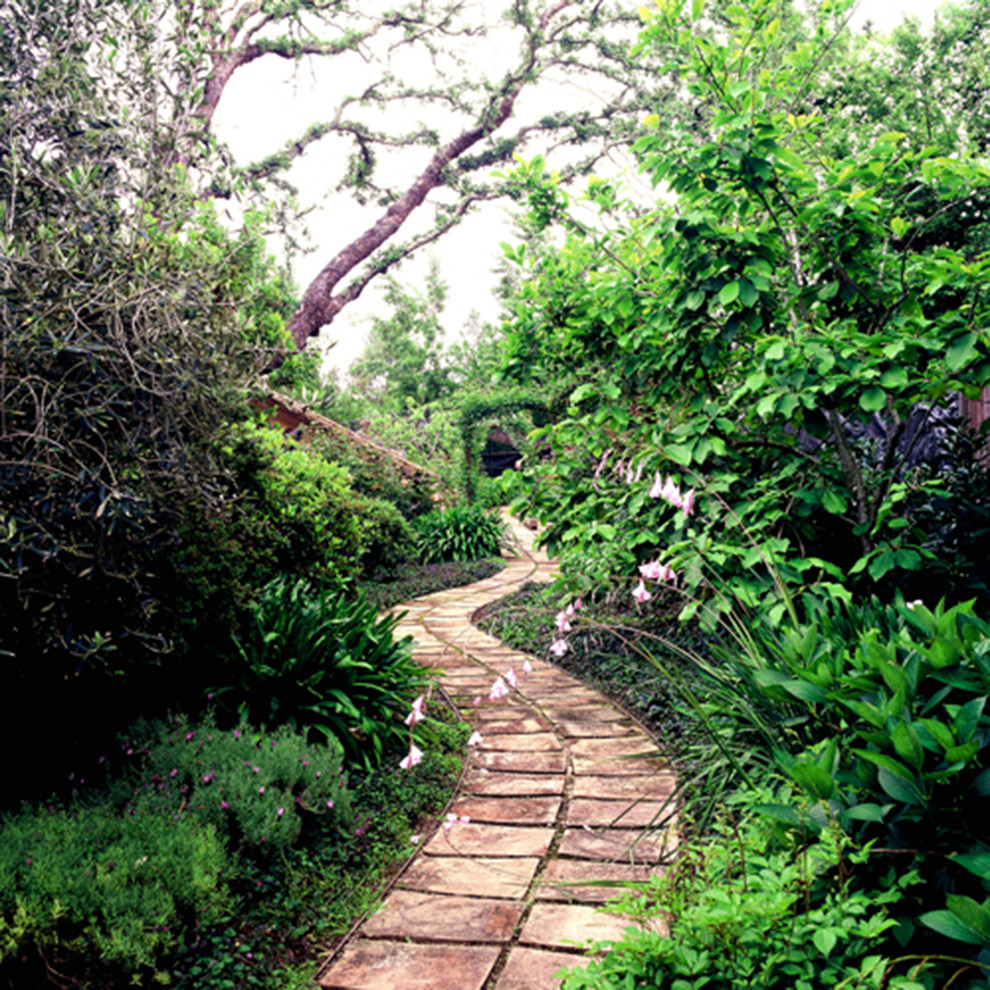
(272, 101)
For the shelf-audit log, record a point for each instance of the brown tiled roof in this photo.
(291, 414)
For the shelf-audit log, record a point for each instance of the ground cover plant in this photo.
(413, 580)
(209, 858)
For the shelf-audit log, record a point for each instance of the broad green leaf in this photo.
(946, 923)
(873, 399)
(812, 779)
(960, 351)
(968, 718)
(679, 452)
(824, 939)
(697, 6)
(833, 502)
(728, 293)
(977, 863)
(894, 378)
(866, 812)
(907, 745)
(899, 789)
(881, 563)
(695, 299)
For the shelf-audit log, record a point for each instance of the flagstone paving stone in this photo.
(522, 762)
(534, 969)
(553, 802)
(522, 810)
(650, 785)
(621, 814)
(368, 964)
(470, 839)
(533, 742)
(494, 783)
(438, 917)
(570, 925)
(573, 880)
(621, 845)
(480, 876)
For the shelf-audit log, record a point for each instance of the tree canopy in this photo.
(764, 335)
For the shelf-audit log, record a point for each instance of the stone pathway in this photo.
(556, 793)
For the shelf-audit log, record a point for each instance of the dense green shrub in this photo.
(323, 661)
(375, 475)
(119, 876)
(461, 532)
(252, 787)
(387, 540)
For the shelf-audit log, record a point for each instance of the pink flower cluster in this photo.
(563, 622)
(670, 492)
(500, 689)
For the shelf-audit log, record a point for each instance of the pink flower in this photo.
(527, 667)
(562, 624)
(578, 604)
(416, 715)
(261, 790)
(414, 839)
(475, 739)
(511, 678)
(559, 647)
(655, 571)
(329, 804)
(281, 811)
(499, 690)
(453, 819)
(657, 490)
(570, 610)
(688, 504)
(477, 701)
(414, 757)
(640, 593)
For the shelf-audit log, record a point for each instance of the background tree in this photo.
(404, 357)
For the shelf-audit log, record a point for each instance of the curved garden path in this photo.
(553, 797)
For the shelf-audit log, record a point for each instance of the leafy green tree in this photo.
(403, 358)
(743, 335)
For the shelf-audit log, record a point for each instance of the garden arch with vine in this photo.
(477, 408)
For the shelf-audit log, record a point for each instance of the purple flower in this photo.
(261, 790)
(190, 736)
